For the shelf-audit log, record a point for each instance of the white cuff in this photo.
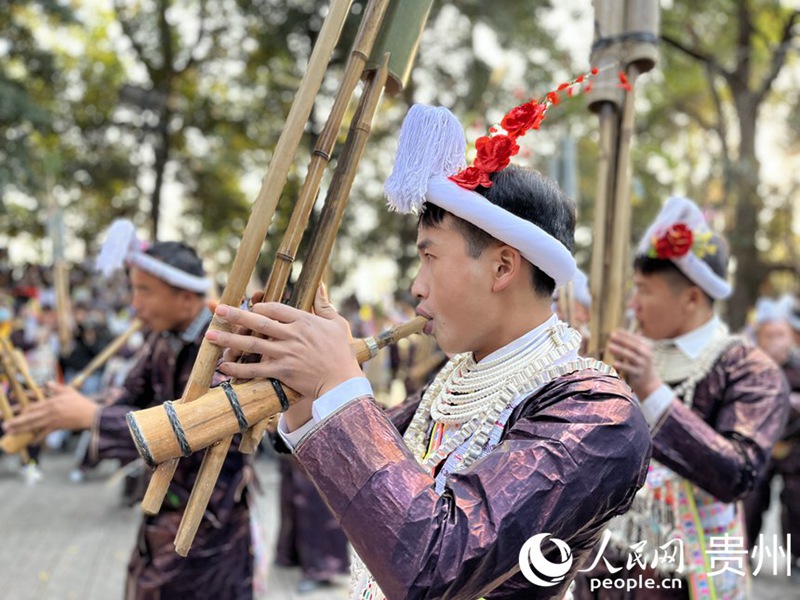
(656, 404)
(324, 406)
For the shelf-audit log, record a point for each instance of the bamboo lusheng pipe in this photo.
(110, 350)
(211, 418)
(13, 443)
(609, 23)
(5, 406)
(63, 310)
(257, 225)
(310, 277)
(620, 243)
(400, 36)
(601, 232)
(642, 23)
(15, 366)
(9, 362)
(285, 256)
(8, 413)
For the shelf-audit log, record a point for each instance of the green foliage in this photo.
(196, 92)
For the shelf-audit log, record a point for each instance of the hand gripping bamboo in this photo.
(315, 264)
(222, 411)
(15, 443)
(257, 225)
(284, 258)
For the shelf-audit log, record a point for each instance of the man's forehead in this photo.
(433, 234)
(142, 277)
(434, 237)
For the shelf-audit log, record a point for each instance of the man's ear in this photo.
(695, 297)
(508, 265)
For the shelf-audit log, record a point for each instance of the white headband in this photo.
(122, 246)
(768, 310)
(580, 289)
(679, 210)
(431, 148)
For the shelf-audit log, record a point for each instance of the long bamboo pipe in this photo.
(620, 244)
(8, 413)
(284, 258)
(5, 406)
(13, 443)
(110, 350)
(601, 233)
(9, 361)
(312, 271)
(15, 367)
(257, 225)
(212, 417)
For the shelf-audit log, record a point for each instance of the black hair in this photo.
(178, 255)
(718, 261)
(527, 194)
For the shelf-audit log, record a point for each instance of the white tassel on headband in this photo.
(430, 149)
(431, 144)
(122, 246)
(681, 230)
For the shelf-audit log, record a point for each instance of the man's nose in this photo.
(418, 288)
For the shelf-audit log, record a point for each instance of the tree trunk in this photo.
(746, 177)
(159, 166)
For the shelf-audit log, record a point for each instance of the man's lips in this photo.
(428, 329)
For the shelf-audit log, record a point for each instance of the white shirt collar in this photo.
(695, 341)
(523, 340)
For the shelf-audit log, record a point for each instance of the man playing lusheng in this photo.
(169, 287)
(715, 405)
(517, 435)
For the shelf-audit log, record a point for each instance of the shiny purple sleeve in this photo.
(572, 458)
(723, 442)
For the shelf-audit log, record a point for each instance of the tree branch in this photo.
(779, 57)
(696, 54)
(165, 36)
(721, 127)
(137, 47)
(201, 33)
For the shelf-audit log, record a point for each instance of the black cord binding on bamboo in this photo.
(276, 385)
(172, 416)
(230, 393)
(138, 438)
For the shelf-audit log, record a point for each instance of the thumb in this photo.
(53, 387)
(322, 305)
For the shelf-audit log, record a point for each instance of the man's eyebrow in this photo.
(423, 244)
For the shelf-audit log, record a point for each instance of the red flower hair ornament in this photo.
(430, 166)
(494, 152)
(681, 234)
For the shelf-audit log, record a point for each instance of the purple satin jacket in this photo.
(571, 457)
